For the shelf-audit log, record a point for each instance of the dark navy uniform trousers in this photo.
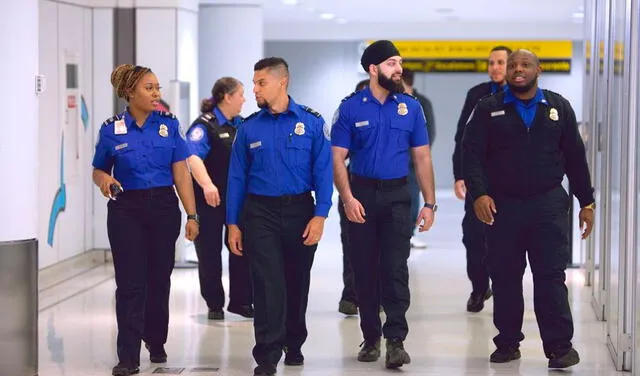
(143, 226)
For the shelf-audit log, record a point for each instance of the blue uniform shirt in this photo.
(527, 111)
(141, 157)
(198, 139)
(379, 136)
(278, 155)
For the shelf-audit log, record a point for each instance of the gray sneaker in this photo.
(348, 308)
(396, 354)
(370, 351)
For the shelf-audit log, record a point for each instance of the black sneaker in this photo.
(504, 355)
(242, 310)
(370, 351)
(293, 357)
(348, 308)
(215, 314)
(476, 301)
(571, 358)
(264, 371)
(396, 354)
(123, 369)
(156, 353)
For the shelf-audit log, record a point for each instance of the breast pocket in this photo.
(126, 157)
(400, 133)
(257, 155)
(364, 136)
(162, 153)
(299, 151)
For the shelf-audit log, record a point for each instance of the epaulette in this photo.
(411, 95)
(311, 111)
(250, 116)
(207, 116)
(111, 120)
(167, 114)
(349, 96)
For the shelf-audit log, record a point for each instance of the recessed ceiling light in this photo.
(327, 16)
(290, 2)
(578, 15)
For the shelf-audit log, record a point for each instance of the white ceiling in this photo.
(412, 11)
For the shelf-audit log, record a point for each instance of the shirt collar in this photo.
(367, 97)
(130, 122)
(222, 120)
(510, 98)
(293, 108)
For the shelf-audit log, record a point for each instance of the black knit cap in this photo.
(377, 52)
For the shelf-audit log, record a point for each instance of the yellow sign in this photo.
(556, 50)
(471, 56)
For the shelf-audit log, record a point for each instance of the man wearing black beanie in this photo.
(380, 128)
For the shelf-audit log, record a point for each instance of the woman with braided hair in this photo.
(140, 155)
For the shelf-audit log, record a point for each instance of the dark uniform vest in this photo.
(217, 161)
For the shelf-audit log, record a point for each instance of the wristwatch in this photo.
(194, 217)
(591, 206)
(433, 207)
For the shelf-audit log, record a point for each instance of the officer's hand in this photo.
(106, 182)
(192, 229)
(586, 217)
(354, 210)
(425, 219)
(313, 231)
(235, 240)
(485, 208)
(460, 189)
(211, 195)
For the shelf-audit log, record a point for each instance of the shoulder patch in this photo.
(167, 114)
(349, 96)
(311, 111)
(250, 117)
(111, 120)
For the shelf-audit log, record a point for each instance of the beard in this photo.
(264, 104)
(527, 87)
(389, 84)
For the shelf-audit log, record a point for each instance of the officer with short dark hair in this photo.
(518, 146)
(378, 127)
(473, 231)
(210, 138)
(281, 154)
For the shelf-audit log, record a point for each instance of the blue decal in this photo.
(84, 112)
(60, 199)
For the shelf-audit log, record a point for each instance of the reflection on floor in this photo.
(77, 335)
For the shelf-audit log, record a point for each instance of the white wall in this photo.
(187, 46)
(102, 109)
(65, 36)
(322, 73)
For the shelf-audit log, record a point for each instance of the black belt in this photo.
(287, 199)
(147, 193)
(379, 183)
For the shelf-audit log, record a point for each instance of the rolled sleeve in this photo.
(181, 150)
(198, 141)
(102, 159)
(322, 172)
(419, 135)
(341, 129)
(237, 179)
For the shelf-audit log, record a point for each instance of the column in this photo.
(18, 191)
(230, 42)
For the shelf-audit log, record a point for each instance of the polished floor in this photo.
(77, 334)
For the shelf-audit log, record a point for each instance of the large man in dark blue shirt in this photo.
(518, 146)
(281, 153)
(378, 127)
